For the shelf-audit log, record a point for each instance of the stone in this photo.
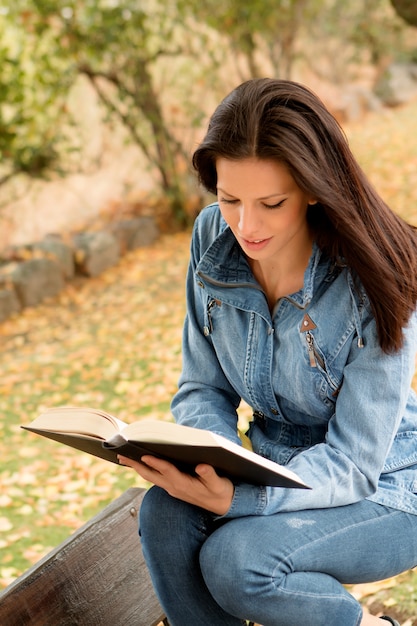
(36, 279)
(9, 303)
(52, 247)
(135, 232)
(357, 101)
(398, 84)
(95, 252)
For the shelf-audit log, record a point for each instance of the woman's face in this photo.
(264, 207)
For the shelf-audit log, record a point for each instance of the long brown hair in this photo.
(282, 120)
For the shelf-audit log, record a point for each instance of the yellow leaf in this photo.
(5, 524)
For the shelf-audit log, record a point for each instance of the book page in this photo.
(157, 431)
(85, 422)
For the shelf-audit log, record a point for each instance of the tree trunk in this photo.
(161, 149)
(407, 9)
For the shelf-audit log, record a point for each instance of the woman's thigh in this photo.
(290, 567)
(356, 543)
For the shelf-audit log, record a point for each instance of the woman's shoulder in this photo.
(208, 225)
(210, 217)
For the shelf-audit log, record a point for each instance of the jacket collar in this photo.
(223, 268)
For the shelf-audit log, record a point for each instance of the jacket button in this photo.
(200, 284)
(206, 331)
(274, 411)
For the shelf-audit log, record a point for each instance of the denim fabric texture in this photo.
(286, 569)
(328, 403)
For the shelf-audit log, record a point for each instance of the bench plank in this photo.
(97, 577)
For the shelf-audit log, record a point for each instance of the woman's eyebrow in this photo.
(272, 195)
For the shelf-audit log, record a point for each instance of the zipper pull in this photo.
(306, 325)
(209, 329)
(310, 346)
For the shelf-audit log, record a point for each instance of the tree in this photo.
(261, 31)
(130, 57)
(32, 104)
(346, 36)
(152, 65)
(407, 9)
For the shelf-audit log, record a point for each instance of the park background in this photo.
(101, 105)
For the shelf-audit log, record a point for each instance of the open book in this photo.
(105, 436)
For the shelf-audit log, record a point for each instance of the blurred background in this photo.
(103, 101)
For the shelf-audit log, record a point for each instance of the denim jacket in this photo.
(327, 402)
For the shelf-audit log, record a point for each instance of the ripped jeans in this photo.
(280, 570)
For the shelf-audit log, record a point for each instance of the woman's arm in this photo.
(205, 398)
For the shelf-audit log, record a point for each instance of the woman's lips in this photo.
(255, 244)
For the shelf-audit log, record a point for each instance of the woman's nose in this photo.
(248, 221)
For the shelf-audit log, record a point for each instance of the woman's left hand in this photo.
(207, 489)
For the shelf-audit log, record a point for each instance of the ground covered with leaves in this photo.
(114, 342)
(111, 342)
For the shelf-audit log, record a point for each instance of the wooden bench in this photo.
(97, 577)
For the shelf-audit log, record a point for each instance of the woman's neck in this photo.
(281, 276)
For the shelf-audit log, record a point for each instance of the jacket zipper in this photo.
(211, 304)
(219, 283)
(312, 352)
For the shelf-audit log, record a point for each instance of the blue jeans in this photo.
(279, 570)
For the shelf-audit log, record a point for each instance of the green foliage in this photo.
(370, 25)
(271, 27)
(127, 54)
(117, 48)
(33, 88)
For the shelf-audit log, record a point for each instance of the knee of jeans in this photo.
(165, 518)
(228, 572)
(154, 501)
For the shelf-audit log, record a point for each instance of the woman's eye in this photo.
(228, 201)
(274, 206)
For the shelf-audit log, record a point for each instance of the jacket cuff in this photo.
(247, 500)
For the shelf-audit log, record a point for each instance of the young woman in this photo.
(301, 298)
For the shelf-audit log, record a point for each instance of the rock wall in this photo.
(33, 272)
